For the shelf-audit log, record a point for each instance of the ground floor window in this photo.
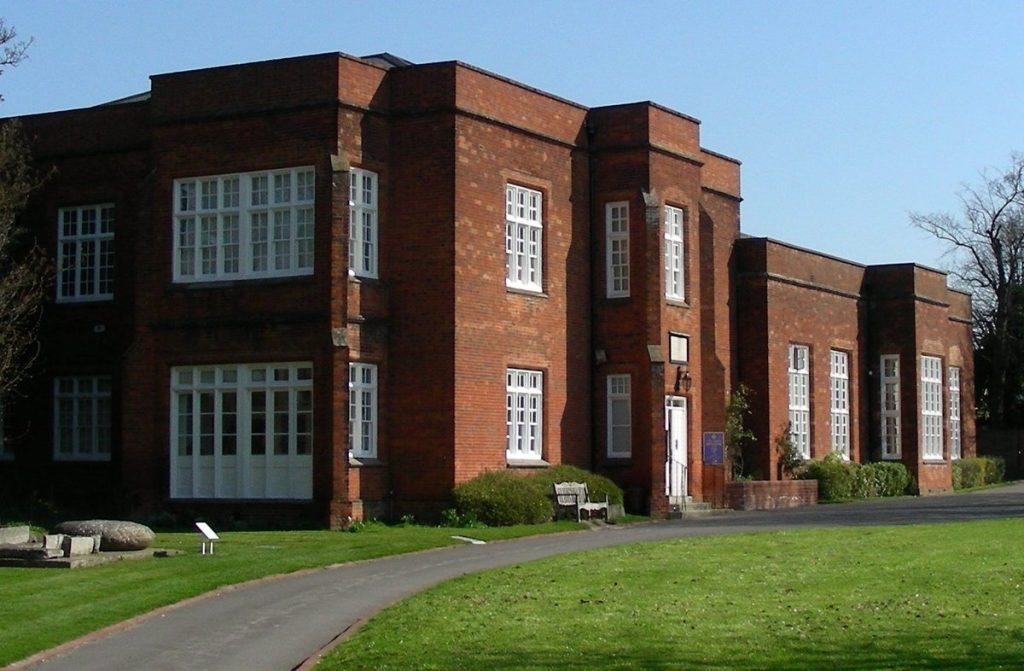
(362, 410)
(955, 451)
(619, 425)
(242, 431)
(931, 407)
(82, 418)
(800, 399)
(890, 405)
(524, 401)
(839, 383)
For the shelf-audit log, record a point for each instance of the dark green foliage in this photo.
(978, 471)
(737, 435)
(839, 480)
(597, 485)
(835, 477)
(501, 498)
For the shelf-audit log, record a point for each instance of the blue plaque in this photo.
(714, 448)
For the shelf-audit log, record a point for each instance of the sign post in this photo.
(206, 536)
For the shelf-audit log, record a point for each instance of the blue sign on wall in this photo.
(714, 448)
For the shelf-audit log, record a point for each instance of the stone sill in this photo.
(527, 463)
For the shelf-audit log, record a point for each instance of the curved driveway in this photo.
(278, 624)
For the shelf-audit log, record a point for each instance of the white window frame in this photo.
(675, 276)
(955, 428)
(889, 406)
(244, 226)
(931, 409)
(82, 418)
(619, 417)
(839, 393)
(364, 229)
(800, 399)
(263, 449)
(524, 414)
(524, 238)
(362, 410)
(85, 258)
(616, 217)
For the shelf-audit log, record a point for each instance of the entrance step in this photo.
(679, 510)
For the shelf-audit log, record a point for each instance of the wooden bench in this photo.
(574, 496)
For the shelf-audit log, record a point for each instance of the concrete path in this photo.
(276, 625)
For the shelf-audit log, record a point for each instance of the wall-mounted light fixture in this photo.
(683, 379)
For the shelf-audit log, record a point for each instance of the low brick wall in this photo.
(770, 494)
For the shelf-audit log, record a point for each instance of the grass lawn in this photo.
(41, 608)
(945, 596)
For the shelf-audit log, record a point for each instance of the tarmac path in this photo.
(279, 624)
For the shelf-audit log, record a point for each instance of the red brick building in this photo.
(329, 286)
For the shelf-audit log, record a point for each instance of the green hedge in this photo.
(501, 499)
(978, 471)
(597, 485)
(839, 480)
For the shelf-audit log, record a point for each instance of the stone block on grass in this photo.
(115, 535)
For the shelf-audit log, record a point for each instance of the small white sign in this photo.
(209, 533)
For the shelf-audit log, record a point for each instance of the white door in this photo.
(675, 434)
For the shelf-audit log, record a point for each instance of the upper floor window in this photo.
(523, 238)
(244, 226)
(362, 410)
(800, 399)
(674, 219)
(955, 451)
(82, 418)
(85, 253)
(839, 388)
(362, 217)
(617, 252)
(931, 407)
(890, 405)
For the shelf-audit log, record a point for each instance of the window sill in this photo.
(892, 457)
(618, 461)
(522, 291)
(69, 459)
(359, 462)
(677, 302)
(197, 285)
(363, 279)
(526, 463)
(107, 298)
(933, 461)
(618, 299)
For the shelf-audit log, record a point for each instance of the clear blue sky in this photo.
(846, 115)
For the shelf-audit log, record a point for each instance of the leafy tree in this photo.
(986, 244)
(737, 435)
(24, 270)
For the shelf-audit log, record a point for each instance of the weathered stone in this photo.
(115, 535)
(15, 535)
(77, 545)
(53, 541)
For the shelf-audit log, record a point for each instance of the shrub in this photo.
(890, 478)
(597, 485)
(994, 468)
(978, 471)
(500, 498)
(968, 473)
(835, 477)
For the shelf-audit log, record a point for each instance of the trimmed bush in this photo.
(978, 471)
(597, 485)
(891, 477)
(501, 499)
(835, 477)
(839, 479)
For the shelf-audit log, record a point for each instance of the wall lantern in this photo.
(683, 379)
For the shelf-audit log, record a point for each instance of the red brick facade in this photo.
(437, 318)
